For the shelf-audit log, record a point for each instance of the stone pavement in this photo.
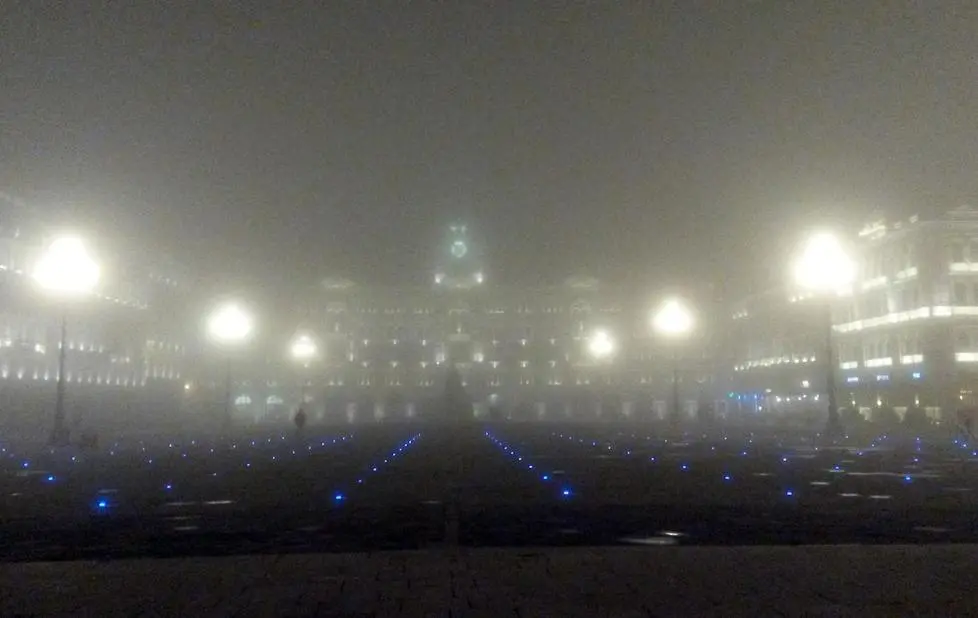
(934, 580)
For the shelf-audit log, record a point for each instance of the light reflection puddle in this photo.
(849, 495)
(880, 497)
(218, 502)
(819, 483)
(763, 474)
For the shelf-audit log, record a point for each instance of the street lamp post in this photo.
(229, 325)
(823, 267)
(67, 271)
(303, 350)
(601, 346)
(673, 320)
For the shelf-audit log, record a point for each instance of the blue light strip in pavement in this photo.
(341, 496)
(564, 491)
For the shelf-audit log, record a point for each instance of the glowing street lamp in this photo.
(66, 271)
(673, 320)
(601, 345)
(823, 267)
(303, 350)
(229, 325)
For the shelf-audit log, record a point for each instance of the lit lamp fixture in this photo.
(601, 345)
(67, 271)
(673, 320)
(229, 326)
(824, 268)
(303, 350)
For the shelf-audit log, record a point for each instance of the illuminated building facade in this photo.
(905, 335)
(776, 351)
(579, 349)
(127, 348)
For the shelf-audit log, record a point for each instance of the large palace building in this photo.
(906, 335)
(580, 348)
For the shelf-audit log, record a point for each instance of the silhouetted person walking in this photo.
(299, 420)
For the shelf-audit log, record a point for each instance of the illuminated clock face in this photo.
(459, 249)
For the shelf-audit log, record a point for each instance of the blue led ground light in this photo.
(564, 491)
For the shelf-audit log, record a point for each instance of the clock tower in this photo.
(459, 263)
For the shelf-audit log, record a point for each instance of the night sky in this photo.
(634, 141)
